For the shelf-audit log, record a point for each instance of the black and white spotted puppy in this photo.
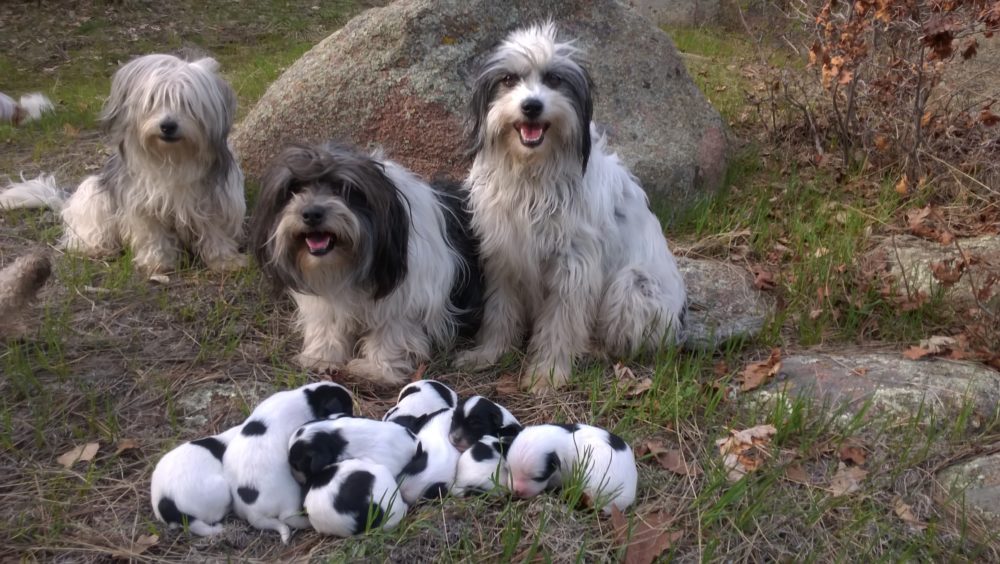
(352, 497)
(419, 399)
(188, 485)
(479, 417)
(431, 472)
(256, 461)
(319, 444)
(482, 469)
(544, 456)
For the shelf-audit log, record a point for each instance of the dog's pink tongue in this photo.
(531, 131)
(318, 241)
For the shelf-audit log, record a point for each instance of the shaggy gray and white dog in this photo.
(381, 264)
(172, 182)
(571, 251)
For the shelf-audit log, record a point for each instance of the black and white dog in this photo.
(546, 456)
(255, 463)
(381, 265)
(172, 182)
(188, 485)
(571, 251)
(352, 497)
(417, 400)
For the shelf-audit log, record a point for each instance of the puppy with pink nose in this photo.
(543, 457)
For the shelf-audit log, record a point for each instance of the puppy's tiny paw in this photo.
(228, 263)
(376, 373)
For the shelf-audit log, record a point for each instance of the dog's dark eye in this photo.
(552, 80)
(510, 80)
(295, 188)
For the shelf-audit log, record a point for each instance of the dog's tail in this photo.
(41, 192)
(34, 105)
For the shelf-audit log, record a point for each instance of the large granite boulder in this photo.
(722, 304)
(400, 77)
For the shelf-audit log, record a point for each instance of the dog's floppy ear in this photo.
(483, 91)
(275, 191)
(578, 87)
(384, 212)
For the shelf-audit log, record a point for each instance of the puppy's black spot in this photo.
(616, 442)
(551, 465)
(445, 392)
(409, 391)
(354, 498)
(619, 215)
(417, 464)
(569, 427)
(254, 428)
(477, 420)
(328, 400)
(299, 432)
(482, 451)
(323, 477)
(214, 446)
(436, 490)
(248, 494)
(168, 510)
(411, 423)
(319, 451)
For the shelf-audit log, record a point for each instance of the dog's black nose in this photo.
(168, 127)
(312, 215)
(531, 108)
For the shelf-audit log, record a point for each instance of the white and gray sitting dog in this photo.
(380, 264)
(172, 182)
(571, 251)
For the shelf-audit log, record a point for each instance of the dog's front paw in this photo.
(477, 358)
(228, 263)
(310, 362)
(376, 373)
(541, 378)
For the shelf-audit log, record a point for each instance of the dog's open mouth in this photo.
(532, 133)
(319, 243)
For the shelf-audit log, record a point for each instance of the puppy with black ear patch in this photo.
(381, 264)
(188, 485)
(353, 497)
(431, 472)
(544, 456)
(418, 399)
(482, 469)
(256, 461)
(319, 444)
(479, 417)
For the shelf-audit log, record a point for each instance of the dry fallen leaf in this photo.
(144, 543)
(419, 374)
(640, 387)
(938, 344)
(160, 278)
(846, 480)
(649, 538)
(83, 453)
(668, 458)
(126, 444)
(916, 353)
(757, 373)
(797, 474)
(763, 279)
(853, 454)
(905, 512)
(744, 451)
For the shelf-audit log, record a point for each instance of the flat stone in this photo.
(909, 261)
(889, 384)
(723, 303)
(974, 485)
(401, 77)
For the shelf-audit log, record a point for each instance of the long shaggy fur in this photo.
(571, 252)
(381, 265)
(172, 182)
